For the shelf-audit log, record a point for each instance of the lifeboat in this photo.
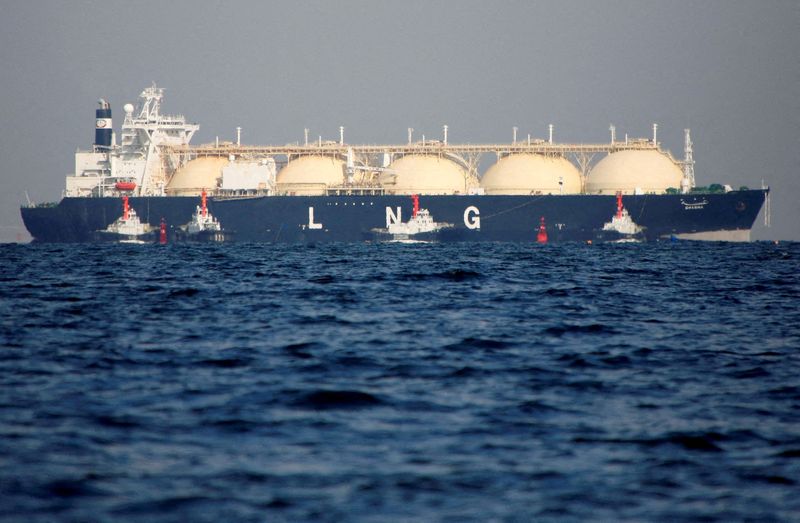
(125, 186)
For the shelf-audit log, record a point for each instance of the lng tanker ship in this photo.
(624, 190)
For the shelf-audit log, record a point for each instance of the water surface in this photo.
(360, 382)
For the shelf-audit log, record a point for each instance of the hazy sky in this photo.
(729, 70)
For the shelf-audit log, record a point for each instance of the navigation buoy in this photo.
(415, 199)
(162, 237)
(125, 208)
(619, 204)
(203, 203)
(541, 236)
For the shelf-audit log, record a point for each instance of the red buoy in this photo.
(162, 237)
(125, 208)
(203, 203)
(415, 199)
(541, 236)
(619, 204)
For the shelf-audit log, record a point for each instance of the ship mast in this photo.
(688, 182)
(144, 133)
(151, 103)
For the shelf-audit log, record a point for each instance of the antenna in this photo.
(305, 133)
(151, 103)
(655, 134)
(514, 131)
(550, 130)
(341, 135)
(238, 136)
(613, 133)
(410, 132)
(444, 128)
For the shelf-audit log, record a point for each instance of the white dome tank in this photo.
(198, 174)
(425, 174)
(310, 175)
(532, 174)
(643, 172)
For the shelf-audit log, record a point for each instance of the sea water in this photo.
(390, 382)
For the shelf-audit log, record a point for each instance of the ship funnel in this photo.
(102, 125)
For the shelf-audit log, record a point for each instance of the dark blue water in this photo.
(475, 382)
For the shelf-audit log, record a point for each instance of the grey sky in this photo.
(727, 69)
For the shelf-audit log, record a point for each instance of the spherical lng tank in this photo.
(632, 172)
(425, 174)
(198, 174)
(532, 174)
(310, 175)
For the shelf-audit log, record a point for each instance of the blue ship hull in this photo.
(475, 218)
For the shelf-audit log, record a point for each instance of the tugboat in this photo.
(621, 228)
(127, 228)
(420, 228)
(203, 227)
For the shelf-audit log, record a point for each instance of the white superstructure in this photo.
(136, 162)
(128, 227)
(202, 222)
(421, 222)
(202, 219)
(622, 222)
